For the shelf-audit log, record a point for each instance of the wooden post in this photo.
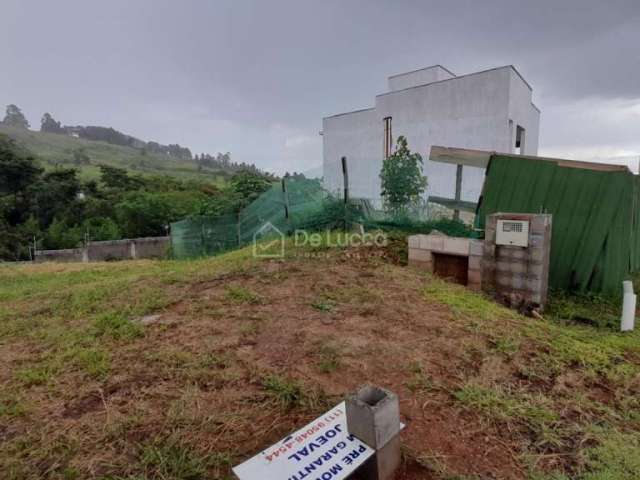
(238, 231)
(456, 212)
(345, 176)
(285, 197)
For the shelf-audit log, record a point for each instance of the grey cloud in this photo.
(255, 77)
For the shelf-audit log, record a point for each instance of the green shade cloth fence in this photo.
(285, 208)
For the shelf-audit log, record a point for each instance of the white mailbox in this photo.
(512, 232)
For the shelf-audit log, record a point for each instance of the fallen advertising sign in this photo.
(322, 450)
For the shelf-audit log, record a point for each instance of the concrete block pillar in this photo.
(518, 276)
(373, 416)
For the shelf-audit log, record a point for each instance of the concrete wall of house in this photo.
(357, 136)
(127, 249)
(470, 111)
(524, 113)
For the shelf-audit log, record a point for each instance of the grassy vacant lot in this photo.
(55, 149)
(240, 352)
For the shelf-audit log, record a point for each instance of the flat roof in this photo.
(349, 113)
(480, 158)
(462, 76)
(421, 69)
(439, 81)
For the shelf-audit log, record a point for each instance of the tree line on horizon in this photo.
(15, 117)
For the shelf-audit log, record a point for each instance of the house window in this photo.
(388, 137)
(520, 135)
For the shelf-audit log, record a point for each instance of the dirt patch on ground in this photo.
(332, 325)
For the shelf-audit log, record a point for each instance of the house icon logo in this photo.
(268, 242)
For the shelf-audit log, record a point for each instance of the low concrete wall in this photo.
(127, 249)
(109, 250)
(68, 255)
(423, 247)
(152, 247)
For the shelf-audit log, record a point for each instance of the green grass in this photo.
(285, 391)
(617, 457)
(324, 305)
(329, 357)
(12, 406)
(243, 295)
(463, 302)
(117, 326)
(71, 325)
(502, 405)
(419, 381)
(171, 460)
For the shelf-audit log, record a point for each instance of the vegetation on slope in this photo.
(182, 369)
(57, 209)
(58, 150)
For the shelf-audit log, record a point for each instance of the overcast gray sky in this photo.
(256, 77)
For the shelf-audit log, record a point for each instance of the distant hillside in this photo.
(86, 155)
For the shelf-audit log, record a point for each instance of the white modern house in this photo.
(488, 110)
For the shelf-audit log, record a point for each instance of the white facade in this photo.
(485, 110)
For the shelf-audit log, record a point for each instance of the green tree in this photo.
(248, 186)
(101, 228)
(50, 125)
(147, 214)
(114, 178)
(61, 234)
(56, 195)
(402, 180)
(18, 170)
(15, 118)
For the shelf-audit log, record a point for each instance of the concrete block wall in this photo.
(422, 248)
(474, 274)
(127, 249)
(63, 256)
(518, 275)
(109, 250)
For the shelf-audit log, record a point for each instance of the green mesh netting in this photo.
(299, 204)
(285, 208)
